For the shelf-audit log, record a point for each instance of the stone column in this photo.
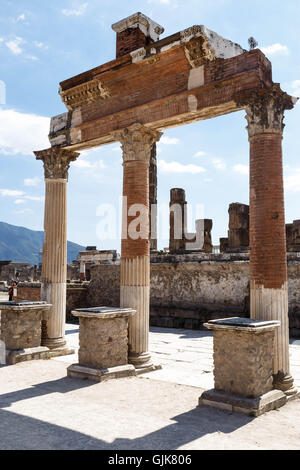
(54, 266)
(268, 263)
(137, 142)
(153, 199)
(177, 220)
(82, 270)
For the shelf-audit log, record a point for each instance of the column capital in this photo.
(265, 109)
(137, 141)
(56, 161)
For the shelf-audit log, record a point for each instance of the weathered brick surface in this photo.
(154, 91)
(29, 292)
(243, 362)
(130, 40)
(103, 343)
(267, 226)
(21, 330)
(136, 190)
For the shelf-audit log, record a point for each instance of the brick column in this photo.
(268, 264)
(137, 142)
(153, 199)
(54, 265)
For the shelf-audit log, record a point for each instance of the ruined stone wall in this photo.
(188, 290)
(76, 295)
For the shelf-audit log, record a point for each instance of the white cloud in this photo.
(164, 2)
(199, 154)
(76, 11)
(20, 201)
(292, 182)
(295, 85)
(34, 198)
(80, 163)
(14, 45)
(219, 164)
(40, 45)
(31, 181)
(21, 17)
(169, 140)
(275, 49)
(242, 169)
(176, 167)
(22, 133)
(11, 193)
(24, 211)
(83, 163)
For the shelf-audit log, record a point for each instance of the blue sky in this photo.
(43, 43)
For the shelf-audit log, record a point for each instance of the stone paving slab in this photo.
(41, 408)
(186, 356)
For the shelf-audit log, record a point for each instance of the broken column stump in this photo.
(21, 330)
(103, 344)
(243, 366)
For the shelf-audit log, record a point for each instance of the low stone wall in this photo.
(76, 296)
(188, 290)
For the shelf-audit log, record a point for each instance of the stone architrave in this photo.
(54, 265)
(137, 142)
(268, 263)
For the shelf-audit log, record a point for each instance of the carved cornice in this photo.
(198, 51)
(136, 142)
(85, 93)
(265, 109)
(56, 162)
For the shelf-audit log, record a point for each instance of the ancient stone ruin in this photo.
(150, 86)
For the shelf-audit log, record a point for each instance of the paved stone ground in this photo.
(40, 408)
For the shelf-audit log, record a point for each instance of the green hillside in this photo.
(20, 244)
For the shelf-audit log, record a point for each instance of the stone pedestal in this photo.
(21, 330)
(243, 366)
(103, 344)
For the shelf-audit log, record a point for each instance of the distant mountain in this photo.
(19, 244)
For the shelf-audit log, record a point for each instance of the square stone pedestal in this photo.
(21, 330)
(103, 344)
(243, 372)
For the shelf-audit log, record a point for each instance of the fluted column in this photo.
(268, 263)
(137, 142)
(54, 265)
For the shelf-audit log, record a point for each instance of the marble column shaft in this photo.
(54, 264)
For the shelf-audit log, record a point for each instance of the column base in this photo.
(143, 363)
(239, 404)
(54, 343)
(79, 371)
(285, 383)
(14, 356)
(57, 347)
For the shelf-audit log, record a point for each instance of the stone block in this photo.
(103, 337)
(21, 330)
(243, 365)
(21, 324)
